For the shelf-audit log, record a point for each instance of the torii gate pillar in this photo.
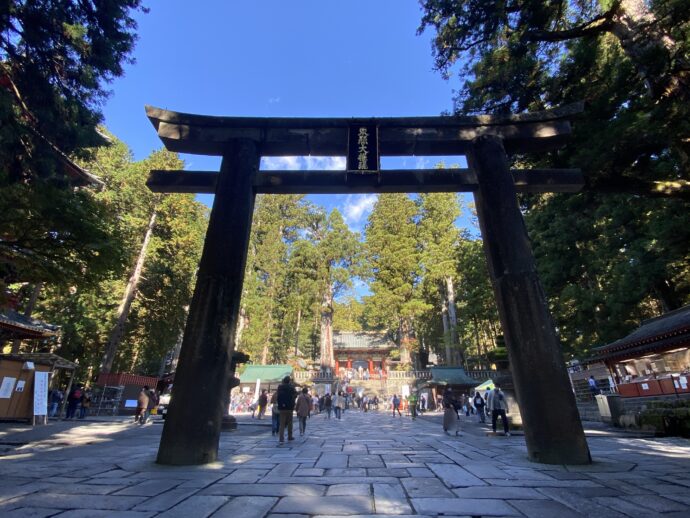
(553, 431)
(202, 380)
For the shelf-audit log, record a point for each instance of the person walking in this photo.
(328, 405)
(450, 412)
(85, 404)
(262, 404)
(412, 401)
(593, 386)
(338, 404)
(479, 404)
(286, 407)
(142, 405)
(396, 405)
(302, 408)
(499, 407)
(73, 400)
(56, 397)
(275, 414)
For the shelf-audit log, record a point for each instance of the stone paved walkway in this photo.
(363, 465)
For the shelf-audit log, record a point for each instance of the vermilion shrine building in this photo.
(368, 350)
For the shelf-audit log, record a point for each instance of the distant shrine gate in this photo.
(553, 431)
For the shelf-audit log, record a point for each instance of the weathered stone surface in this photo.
(390, 499)
(264, 489)
(349, 490)
(544, 509)
(243, 476)
(29, 512)
(503, 493)
(165, 501)
(332, 460)
(246, 507)
(458, 506)
(425, 488)
(333, 505)
(581, 504)
(388, 472)
(541, 483)
(197, 506)
(658, 504)
(149, 487)
(455, 476)
(59, 501)
(365, 461)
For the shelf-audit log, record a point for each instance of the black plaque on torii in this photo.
(363, 149)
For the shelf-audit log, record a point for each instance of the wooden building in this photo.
(367, 350)
(654, 359)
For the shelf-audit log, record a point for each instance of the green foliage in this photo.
(606, 260)
(55, 59)
(86, 307)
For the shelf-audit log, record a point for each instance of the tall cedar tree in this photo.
(394, 260)
(55, 58)
(608, 260)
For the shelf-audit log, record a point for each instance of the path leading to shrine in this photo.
(368, 463)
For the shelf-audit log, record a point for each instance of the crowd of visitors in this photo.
(287, 401)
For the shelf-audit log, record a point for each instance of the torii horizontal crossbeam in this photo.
(385, 181)
(444, 135)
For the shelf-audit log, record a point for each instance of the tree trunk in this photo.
(327, 356)
(27, 312)
(453, 321)
(446, 331)
(130, 292)
(405, 340)
(297, 324)
(648, 46)
(241, 324)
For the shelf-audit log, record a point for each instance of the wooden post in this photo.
(202, 381)
(553, 431)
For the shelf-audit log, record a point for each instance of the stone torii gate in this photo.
(191, 434)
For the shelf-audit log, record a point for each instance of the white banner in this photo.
(40, 393)
(6, 387)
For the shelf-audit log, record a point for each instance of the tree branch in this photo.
(597, 25)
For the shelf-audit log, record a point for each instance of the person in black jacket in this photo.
(286, 406)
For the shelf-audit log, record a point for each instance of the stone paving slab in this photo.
(365, 465)
(335, 505)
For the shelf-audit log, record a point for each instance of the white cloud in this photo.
(273, 100)
(303, 163)
(357, 208)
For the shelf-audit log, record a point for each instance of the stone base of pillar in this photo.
(229, 423)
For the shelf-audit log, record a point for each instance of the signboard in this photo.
(6, 387)
(130, 403)
(645, 386)
(41, 393)
(20, 386)
(363, 149)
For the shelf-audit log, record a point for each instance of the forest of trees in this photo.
(114, 266)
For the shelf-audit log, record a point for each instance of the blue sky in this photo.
(282, 59)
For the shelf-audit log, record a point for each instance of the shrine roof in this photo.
(660, 334)
(14, 325)
(265, 373)
(450, 376)
(362, 340)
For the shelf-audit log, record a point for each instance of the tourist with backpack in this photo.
(499, 407)
(286, 407)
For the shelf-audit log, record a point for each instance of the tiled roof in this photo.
(664, 332)
(265, 373)
(370, 341)
(14, 325)
(450, 376)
